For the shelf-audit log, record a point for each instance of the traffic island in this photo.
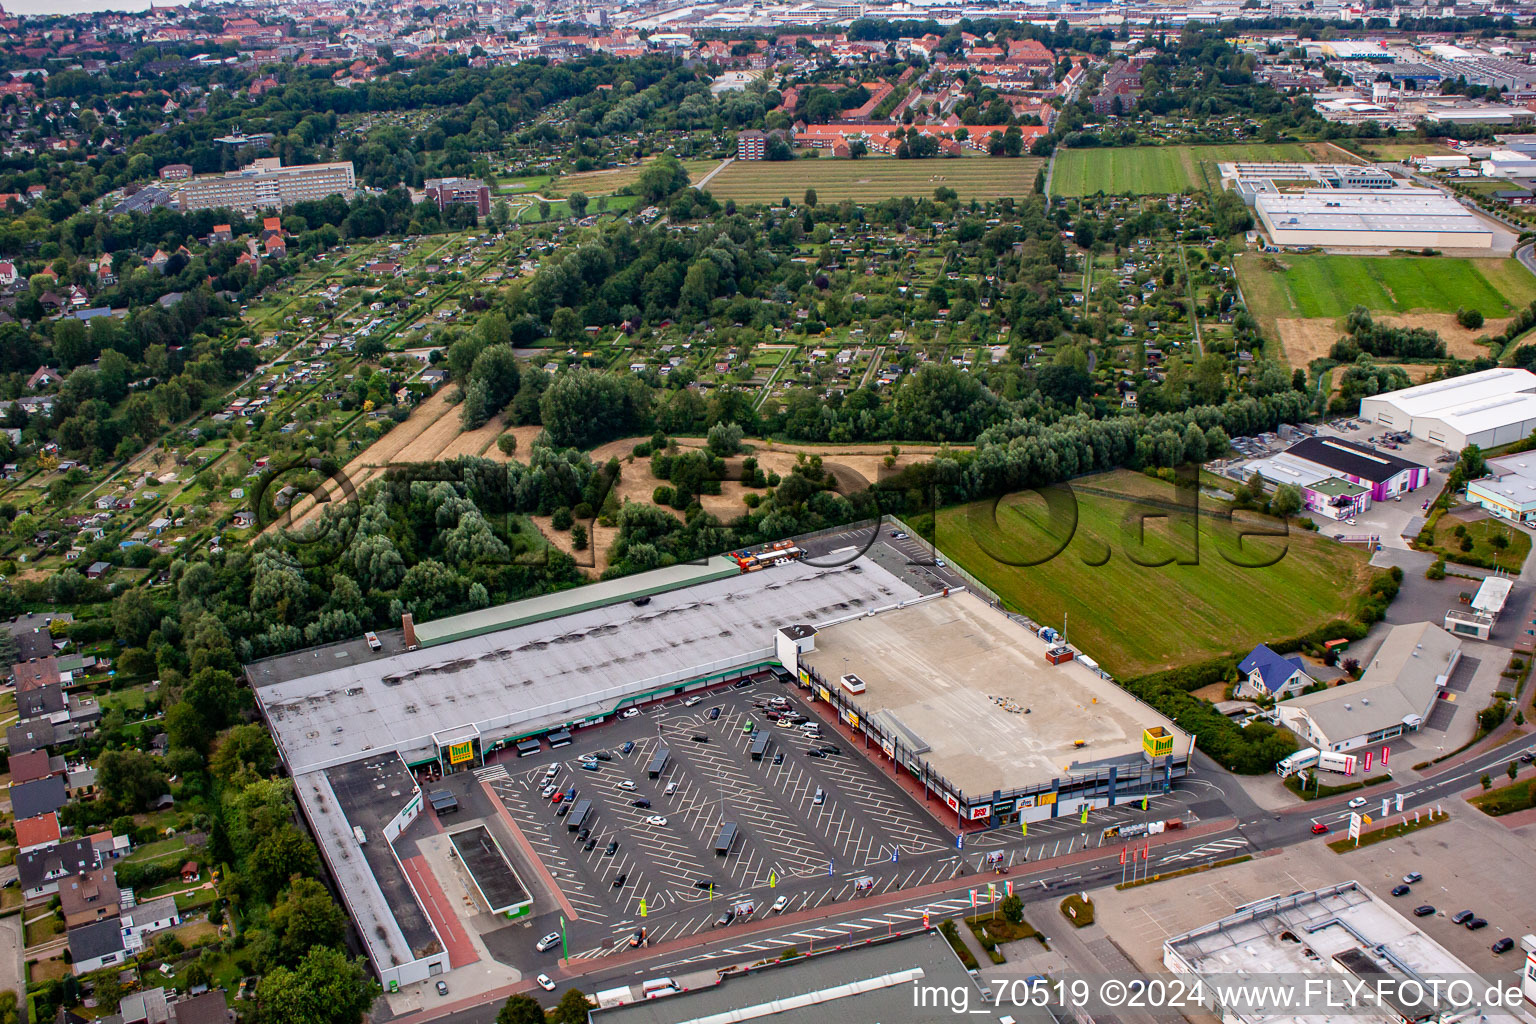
(1401, 828)
(1078, 909)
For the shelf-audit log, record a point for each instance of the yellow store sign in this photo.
(458, 753)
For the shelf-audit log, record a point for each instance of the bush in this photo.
(1471, 319)
(507, 443)
(662, 495)
(562, 519)
(724, 438)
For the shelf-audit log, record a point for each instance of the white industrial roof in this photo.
(1472, 402)
(1283, 469)
(1397, 209)
(553, 671)
(1316, 933)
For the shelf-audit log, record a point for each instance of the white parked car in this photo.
(548, 791)
(655, 819)
(548, 942)
(629, 712)
(1358, 801)
(779, 904)
(671, 788)
(626, 784)
(551, 771)
(545, 983)
(691, 701)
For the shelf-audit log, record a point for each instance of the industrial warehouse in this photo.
(359, 723)
(1396, 218)
(1487, 408)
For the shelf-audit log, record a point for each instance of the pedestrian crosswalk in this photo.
(1206, 850)
(493, 773)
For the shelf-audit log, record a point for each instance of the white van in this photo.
(809, 727)
(820, 797)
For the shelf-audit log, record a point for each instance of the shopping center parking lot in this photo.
(789, 844)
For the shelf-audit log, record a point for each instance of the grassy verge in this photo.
(1004, 930)
(44, 930)
(1491, 543)
(952, 934)
(1519, 796)
(982, 929)
(1077, 910)
(1390, 832)
(1294, 784)
(1163, 875)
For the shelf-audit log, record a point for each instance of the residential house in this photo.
(94, 946)
(97, 570)
(28, 736)
(1267, 674)
(44, 377)
(209, 1007)
(37, 672)
(37, 833)
(39, 872)
(147, 1007)
(33, 765)
(89, 896)
(42, 796)
(40, 701)
(143, 920)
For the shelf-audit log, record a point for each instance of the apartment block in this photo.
(267, 184)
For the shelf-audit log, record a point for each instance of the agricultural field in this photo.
(1130, 613)
(1162, 170)
(1301, 298)
(610, 180)
(872, 179)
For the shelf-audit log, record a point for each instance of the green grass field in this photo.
(1318, 285)
(1135, 616)
(1156, 170)
(872, 179)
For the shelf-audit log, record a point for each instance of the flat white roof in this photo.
(1490, 597)
(1397, 209)
(1472, 402)
(549, 672)
(1305, 934)
(1512, 477)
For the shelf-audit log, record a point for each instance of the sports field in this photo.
(1320, 285)
(1130, 614)
(1159, 170)
(872, 179)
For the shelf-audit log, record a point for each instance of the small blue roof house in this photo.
(1267, 674)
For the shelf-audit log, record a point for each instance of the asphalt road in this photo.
(1208, 790)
